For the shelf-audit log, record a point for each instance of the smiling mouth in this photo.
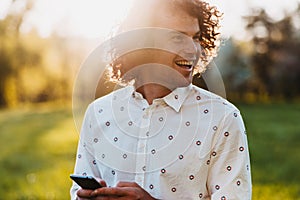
(185, 64)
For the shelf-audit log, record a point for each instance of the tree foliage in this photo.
(275, 59)
(33, 69)
(13, 54)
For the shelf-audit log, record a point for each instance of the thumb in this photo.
(127, 184)
(102, 182)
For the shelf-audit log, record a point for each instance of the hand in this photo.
(122, 191)
(83, 194)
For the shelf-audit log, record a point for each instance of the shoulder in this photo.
(116, 95)
(214, 101)
(107, 102)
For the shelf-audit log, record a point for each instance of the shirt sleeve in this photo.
(85, 161)
(229, 174)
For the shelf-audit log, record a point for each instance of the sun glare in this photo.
(89, 18)
(97, 18)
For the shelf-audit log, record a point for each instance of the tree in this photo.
(34, 69)
(13, 54)
(275, 59)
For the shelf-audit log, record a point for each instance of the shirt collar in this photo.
(176, 98)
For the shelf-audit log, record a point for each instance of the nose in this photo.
(191, 50)
(190, 47)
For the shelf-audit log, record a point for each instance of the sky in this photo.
(97, 18)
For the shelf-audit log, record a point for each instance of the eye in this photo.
(177, 38)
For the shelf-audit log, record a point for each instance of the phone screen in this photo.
(86, 182)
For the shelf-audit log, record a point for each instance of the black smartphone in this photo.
(86, 182)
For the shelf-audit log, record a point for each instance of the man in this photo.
(162, 137)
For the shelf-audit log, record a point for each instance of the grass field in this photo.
(37, 150)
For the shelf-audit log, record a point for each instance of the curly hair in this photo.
(209, 23)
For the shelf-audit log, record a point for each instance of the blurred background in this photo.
(43, 43)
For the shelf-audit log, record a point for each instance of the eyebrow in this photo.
(185, 33)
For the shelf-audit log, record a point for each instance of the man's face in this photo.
(176, 49)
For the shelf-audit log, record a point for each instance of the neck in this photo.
(153, 91)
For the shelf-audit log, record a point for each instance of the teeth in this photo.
(183, 62)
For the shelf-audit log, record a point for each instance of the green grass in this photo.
(274, 142)
(37, 151)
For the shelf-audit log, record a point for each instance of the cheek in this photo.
(165, 58)
(134, 59)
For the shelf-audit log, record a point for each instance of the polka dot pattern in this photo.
(153, 151)
(191, 177)
(226, 134)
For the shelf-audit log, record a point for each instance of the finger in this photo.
(82, 193)
(104, 198)
(110, 191)
(107, 198)
(103, 183)
(127, 184)
(79, 198)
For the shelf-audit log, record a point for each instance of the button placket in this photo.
(141, 161)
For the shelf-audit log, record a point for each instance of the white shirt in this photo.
(191, 144)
